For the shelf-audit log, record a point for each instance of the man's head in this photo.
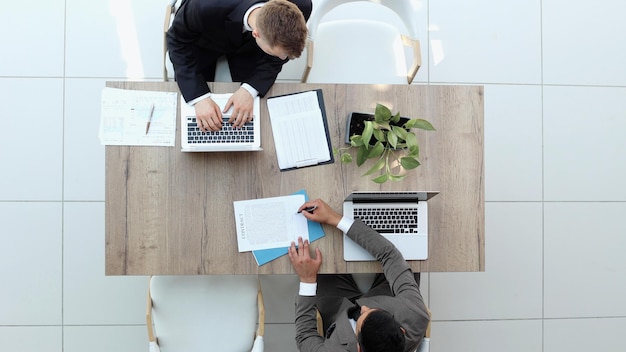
(281, 29)
(378, 331)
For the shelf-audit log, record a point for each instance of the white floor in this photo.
(555, 106)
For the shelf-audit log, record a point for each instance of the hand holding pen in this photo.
(317, 210)
(308, 209)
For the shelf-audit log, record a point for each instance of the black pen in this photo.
(308, 209)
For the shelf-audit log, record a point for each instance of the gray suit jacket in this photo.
(407, 305)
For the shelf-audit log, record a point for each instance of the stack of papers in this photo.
(267, 226)
(300, 129)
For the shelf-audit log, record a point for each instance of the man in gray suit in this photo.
(391, 317)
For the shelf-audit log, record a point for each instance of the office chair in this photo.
(375, 48)
(222, 71)
(170, 11)
(205, 313)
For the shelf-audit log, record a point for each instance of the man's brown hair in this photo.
(282, 24)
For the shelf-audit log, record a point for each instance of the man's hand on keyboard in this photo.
(208, 115)
(242, 104)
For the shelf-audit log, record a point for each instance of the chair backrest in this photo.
(405, 9)
(205, 313)
(376, 41)
(170, 10)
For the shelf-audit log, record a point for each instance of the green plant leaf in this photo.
(356, 140)
(393, 139)
(396, 118)
(414, 152)
(382, 113)
(396, 177)
(380, 135)
(346, 158)
(376, 151)
(409, 163)
(411, 140)
(399, 131)
(419, 123)
(377, 166)
(367, 133)
(381, 125)
(382, 178)
(361, 155)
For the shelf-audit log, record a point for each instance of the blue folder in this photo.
(264, 256)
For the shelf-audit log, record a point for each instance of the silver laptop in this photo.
(228, 139)
(402, 217)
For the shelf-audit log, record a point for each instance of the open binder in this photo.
(300, 130)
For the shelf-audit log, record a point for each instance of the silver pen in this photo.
(150, 118)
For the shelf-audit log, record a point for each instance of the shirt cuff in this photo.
(194, 101)
(250, 90)
(307, 289)
(345, 224)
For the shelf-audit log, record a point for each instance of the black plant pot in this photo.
(356, 125)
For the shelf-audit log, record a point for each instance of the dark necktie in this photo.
(353, 313)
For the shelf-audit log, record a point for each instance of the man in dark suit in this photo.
(391, 317)
(256, 36)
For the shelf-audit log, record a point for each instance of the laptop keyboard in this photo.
(385, 220)
(228, 133)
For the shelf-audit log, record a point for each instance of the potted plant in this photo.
(385, 138)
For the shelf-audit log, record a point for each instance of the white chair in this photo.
(205, 313)
(222, 71)
(374, 48)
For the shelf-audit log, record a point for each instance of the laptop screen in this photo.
(390, 197)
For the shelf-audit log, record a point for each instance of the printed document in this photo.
(125, 114)
(269, 222)
(298, 126)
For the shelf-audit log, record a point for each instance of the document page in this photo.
(264, 256)
(300, 135)
(125, 114)
(269, 222)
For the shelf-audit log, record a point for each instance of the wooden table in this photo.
(169, 212)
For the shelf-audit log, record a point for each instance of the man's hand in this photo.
(208, 115)
(242, 103)
(305, 266)
(323, 213)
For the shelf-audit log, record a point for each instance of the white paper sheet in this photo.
(269, 222)
(298, 129)
(124, 115)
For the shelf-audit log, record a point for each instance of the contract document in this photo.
(269, 222)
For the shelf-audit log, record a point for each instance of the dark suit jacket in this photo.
(203, 30)
(407, 305)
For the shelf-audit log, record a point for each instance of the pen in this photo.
(150, 118)
(308, 209)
